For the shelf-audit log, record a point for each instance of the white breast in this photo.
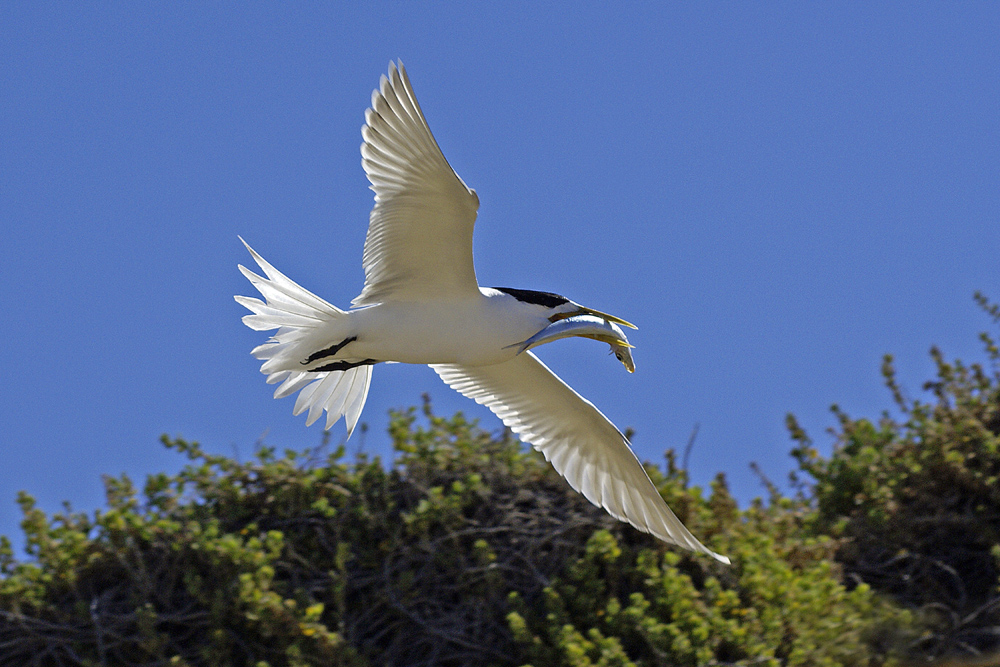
(477, 331)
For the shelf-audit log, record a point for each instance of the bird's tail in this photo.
(304, 321)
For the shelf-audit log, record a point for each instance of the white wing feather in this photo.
(420, 231)
(580, 442)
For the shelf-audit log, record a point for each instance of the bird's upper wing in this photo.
(420, 230)
(579, 441)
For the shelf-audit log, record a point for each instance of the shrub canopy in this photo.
(916, 501)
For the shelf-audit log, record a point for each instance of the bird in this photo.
(422, 304)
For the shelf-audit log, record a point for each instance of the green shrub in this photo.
(469, 550)
(917, 501)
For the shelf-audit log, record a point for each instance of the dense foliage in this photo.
(470, 550)
(916, 501)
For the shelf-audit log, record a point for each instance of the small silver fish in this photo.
(586, 326)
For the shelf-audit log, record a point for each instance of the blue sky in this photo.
(777, 194)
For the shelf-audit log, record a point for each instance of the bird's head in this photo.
(568, 318)
(558, 306)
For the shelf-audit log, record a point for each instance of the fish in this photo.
(586, 326)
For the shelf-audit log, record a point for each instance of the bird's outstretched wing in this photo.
(419, 240)
(579, 441)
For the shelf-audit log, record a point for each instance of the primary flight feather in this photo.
(421, 304)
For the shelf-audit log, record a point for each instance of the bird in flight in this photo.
(421, 304)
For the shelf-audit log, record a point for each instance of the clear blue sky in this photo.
(777, 194)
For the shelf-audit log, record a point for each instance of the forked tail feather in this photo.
(304, 322)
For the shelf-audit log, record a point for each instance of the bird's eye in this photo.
(618, 355)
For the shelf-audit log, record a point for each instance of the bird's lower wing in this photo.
(579, 441)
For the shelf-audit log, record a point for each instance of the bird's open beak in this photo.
(596, 313)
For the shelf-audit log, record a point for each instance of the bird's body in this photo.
(422, 304)
(477, 330)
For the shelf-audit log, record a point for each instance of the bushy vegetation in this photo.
(469, 550)
(916, 501)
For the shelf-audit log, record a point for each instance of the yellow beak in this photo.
(590, 311)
